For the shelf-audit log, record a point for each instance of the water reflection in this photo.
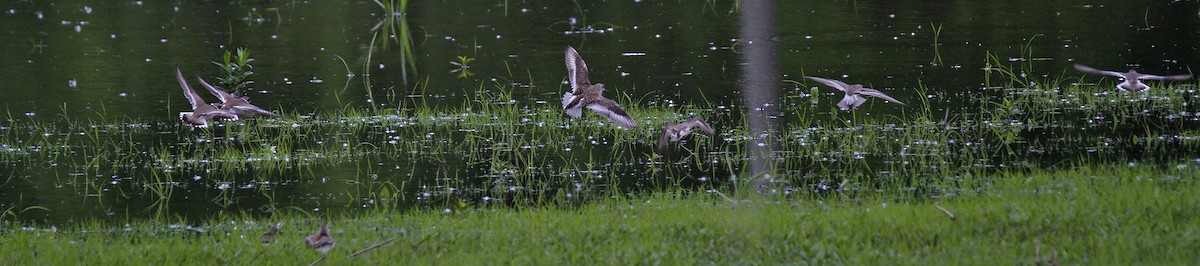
(760, 86)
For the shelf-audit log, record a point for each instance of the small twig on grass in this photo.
(318, 261)
(373, 246)
(1037, 254)
(1037, 251)
(1054, 257)
(944, 210)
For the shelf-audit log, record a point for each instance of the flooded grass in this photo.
(496, 148)
(1083, 215)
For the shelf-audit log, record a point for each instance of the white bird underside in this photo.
(854, 93)
(614, 114)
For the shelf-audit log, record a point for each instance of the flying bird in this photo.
(201, 111)
(854, 93)
(585, 94)
(238, 105)
(1132, 79)
(675, 132)
(321, 241)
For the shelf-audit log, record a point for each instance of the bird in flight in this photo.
(1132, 79)
(585, 94)
(854, 93)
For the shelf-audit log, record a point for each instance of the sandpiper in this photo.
(201, 111)
(585, 94)
(238, 105)
(266, 237)
(321, 241)
(1132, 78)
(675, 132)
(854, 93)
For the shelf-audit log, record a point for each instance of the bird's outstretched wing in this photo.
(610, 109)
(836, 84)
(1089, 70)
(577, 71)
(878, 94)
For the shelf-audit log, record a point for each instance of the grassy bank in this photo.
(1102, 215)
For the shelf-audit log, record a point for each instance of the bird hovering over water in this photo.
(321, 241)
(201, 111)
(585, 94)
(675, 132)
(238, 105)
(1132, 79)
(854, 93)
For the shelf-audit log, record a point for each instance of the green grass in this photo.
(1087, 215)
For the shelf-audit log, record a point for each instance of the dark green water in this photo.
(75, 60)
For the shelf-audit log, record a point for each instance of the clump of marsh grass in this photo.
(236, 69)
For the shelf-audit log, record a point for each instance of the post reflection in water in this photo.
(760, 85)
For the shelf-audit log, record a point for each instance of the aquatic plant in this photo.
(236, 69)
(394, 27)
(464, 66)
(937, 34)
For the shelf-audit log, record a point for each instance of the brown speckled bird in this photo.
(585, 94)
(201, 111)
(238, 105)
(675, 132)
(321, 241)
(266, 237)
